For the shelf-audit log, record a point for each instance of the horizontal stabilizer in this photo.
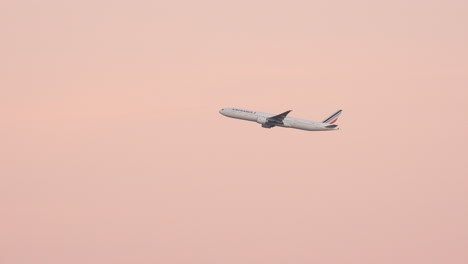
(331, 126)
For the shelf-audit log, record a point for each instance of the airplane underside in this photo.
(268, 125)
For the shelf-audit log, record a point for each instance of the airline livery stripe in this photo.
(332, 117)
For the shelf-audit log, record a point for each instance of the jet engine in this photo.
(262, 120)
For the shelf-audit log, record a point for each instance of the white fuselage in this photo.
(261, 117)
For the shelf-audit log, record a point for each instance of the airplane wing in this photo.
(278, 118)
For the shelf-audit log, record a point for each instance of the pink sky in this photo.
(113, 150)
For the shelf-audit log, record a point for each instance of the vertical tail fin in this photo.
(332, 119)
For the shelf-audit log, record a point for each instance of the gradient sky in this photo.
(113, 150)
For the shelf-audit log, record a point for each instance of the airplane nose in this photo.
(221, 111)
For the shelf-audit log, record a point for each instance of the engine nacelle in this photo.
(262, 120)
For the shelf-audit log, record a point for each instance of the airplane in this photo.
(270, 120)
